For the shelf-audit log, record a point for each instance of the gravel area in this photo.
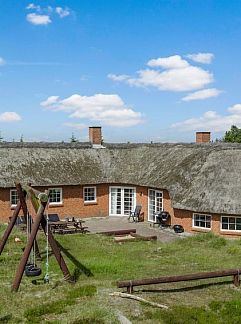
(96, 225)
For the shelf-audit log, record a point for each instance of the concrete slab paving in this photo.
(113, 223)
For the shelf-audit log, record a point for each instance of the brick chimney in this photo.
(95, 135)
(203, 137)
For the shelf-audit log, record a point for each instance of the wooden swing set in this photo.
(39, 201)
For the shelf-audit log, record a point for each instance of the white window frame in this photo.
(201, 227)
(122, 199)
(229, 230)
(89, 201)
(11, 192)
(160, 191)
(61, 197)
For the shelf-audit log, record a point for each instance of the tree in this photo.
(1, 138)
(21, 139)
(73, 139)
(233, 135)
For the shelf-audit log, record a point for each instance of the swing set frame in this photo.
(39, 201)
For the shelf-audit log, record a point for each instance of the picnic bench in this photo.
(68, 227)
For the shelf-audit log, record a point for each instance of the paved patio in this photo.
(96, 225)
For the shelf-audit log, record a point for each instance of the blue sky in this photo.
(143, 70)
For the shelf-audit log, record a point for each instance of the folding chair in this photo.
(135, 215)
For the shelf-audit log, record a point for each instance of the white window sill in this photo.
(202, 228)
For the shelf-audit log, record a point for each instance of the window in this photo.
(89, 194)
(202, 221)
(55, 196)
(13, 197)
(122, 201)
(230, 223)
(155, 203)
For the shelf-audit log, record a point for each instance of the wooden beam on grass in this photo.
(129, 284)
(118, 232)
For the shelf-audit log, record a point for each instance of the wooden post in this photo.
(56, 252)
(130, 289)
(27, 250)
(12, 222)
(54, 246)
(236, 281)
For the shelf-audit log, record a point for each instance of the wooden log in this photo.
(133, 237)
(145, 238)
(187, 277)
(118, 232)
(123, 295)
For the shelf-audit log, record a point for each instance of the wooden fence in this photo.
(130, 284)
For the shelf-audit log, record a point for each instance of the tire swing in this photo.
(31, 270)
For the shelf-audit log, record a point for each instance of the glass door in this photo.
(115, 201)
(122, 200)
(155, 204)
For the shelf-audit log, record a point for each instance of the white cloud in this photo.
(75, 125)
(202, 94)
(171, 62)
(212, 121)
(2, 61)
(121, 77)
(44, 15)
(236, 109)
(185, 79)
(32, 6)
(50, 101)
(205, 58)
(9, 116)
(62, 12)
(178, 75)
(106, 109)
(35, 19)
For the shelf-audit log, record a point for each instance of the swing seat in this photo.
(32, 271)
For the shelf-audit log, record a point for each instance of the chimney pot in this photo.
(203, 137)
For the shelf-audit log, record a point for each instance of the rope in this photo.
(46, 277)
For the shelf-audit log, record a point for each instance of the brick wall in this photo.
(5, 208)
(74, 205)
(73, 202)
(184, 218)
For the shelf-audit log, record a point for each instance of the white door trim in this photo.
(122, 199)
(148, 207)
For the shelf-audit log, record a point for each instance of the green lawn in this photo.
(97, 263)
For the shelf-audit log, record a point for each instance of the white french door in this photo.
(122, 201)
(155, 203)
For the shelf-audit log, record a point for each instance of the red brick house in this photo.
(199, 184)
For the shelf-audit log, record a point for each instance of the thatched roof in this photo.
(199, 177)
